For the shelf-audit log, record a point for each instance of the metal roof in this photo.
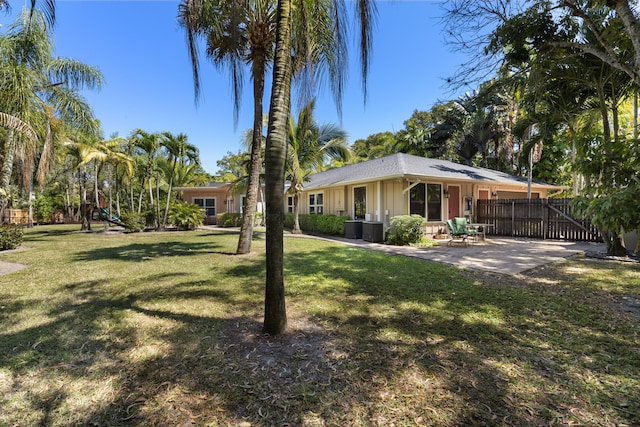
(402, 165)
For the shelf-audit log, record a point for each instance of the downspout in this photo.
(379, 202)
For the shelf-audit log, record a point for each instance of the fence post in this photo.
(545, 219)
(513, 218)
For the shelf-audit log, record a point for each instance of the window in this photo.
(290, 204)
(359, 202)
(316, 203)
(426, 200)
(434, 202)
(209, 205)
(243, 204)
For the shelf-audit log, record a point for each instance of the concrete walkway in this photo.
(496, 254)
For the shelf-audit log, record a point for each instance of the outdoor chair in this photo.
(460, 232)
(456, 235)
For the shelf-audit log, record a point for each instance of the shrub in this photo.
(43, 209)
(228, 219)
(186, 216)
(405, 230)
(314, 223)
(133, 222)
(11, 237)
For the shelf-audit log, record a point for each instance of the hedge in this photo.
(314, 223)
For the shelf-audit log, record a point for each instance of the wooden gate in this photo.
(538, 218)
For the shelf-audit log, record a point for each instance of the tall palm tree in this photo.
(40, 90)
(148, 144)
(275, 317)
(236, 32)
(310, 147)
(179, 151)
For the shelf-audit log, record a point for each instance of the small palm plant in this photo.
(186, 216)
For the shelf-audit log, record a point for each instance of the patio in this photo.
(502, 255)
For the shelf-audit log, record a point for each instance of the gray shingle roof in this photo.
(406, 165)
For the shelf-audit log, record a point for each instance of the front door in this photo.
(454, 201)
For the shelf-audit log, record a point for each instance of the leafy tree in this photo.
(232, 167)
(310, 146)
(374, 146)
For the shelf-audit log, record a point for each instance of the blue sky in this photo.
(141, 50)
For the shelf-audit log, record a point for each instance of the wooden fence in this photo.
(538, 218)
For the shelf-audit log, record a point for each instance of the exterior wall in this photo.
(219, 194)
(386, 199)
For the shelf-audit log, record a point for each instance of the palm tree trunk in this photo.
(166, 208)
(296, 214)
(275, 314)
(246, 228)
(7, 168)
(157, 212)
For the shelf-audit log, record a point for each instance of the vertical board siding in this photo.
(537, 218)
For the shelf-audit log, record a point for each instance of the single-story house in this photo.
(379, 189)
(401, 184)
(216, 198)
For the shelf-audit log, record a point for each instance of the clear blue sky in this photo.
(141, 50)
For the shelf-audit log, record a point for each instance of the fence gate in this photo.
(538, 218)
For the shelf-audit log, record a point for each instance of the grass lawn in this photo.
(164, 329)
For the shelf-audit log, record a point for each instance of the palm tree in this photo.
(41, 90)
(236, 32)
(179, 151)
(149, 145)
(275, 317)
(310, 146)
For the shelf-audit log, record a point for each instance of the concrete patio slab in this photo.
(496, 254)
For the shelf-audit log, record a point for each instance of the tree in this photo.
(603, 39)
(41, 90)
(236, 32)
(275, 319)
(148, 145)
(179, 151)
(374, 146)
(310, 146)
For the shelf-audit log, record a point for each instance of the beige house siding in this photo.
(225, 200)
(389, 198)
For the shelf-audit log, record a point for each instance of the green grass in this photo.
(164, 328)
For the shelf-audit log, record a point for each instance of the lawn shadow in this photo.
(459, 341)
(145, 251)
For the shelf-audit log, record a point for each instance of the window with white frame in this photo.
(290, 204)
(426, 200)
(316, 203)
(207, 204)
(243, 203)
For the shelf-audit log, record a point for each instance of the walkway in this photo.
(497, 254)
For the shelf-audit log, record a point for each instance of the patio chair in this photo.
(457, 236)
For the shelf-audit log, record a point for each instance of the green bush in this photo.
(228, 219)
(314, 223)
(43, 209)
(133, 222)
(405, 230)
(186, 216)
(11, 237)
